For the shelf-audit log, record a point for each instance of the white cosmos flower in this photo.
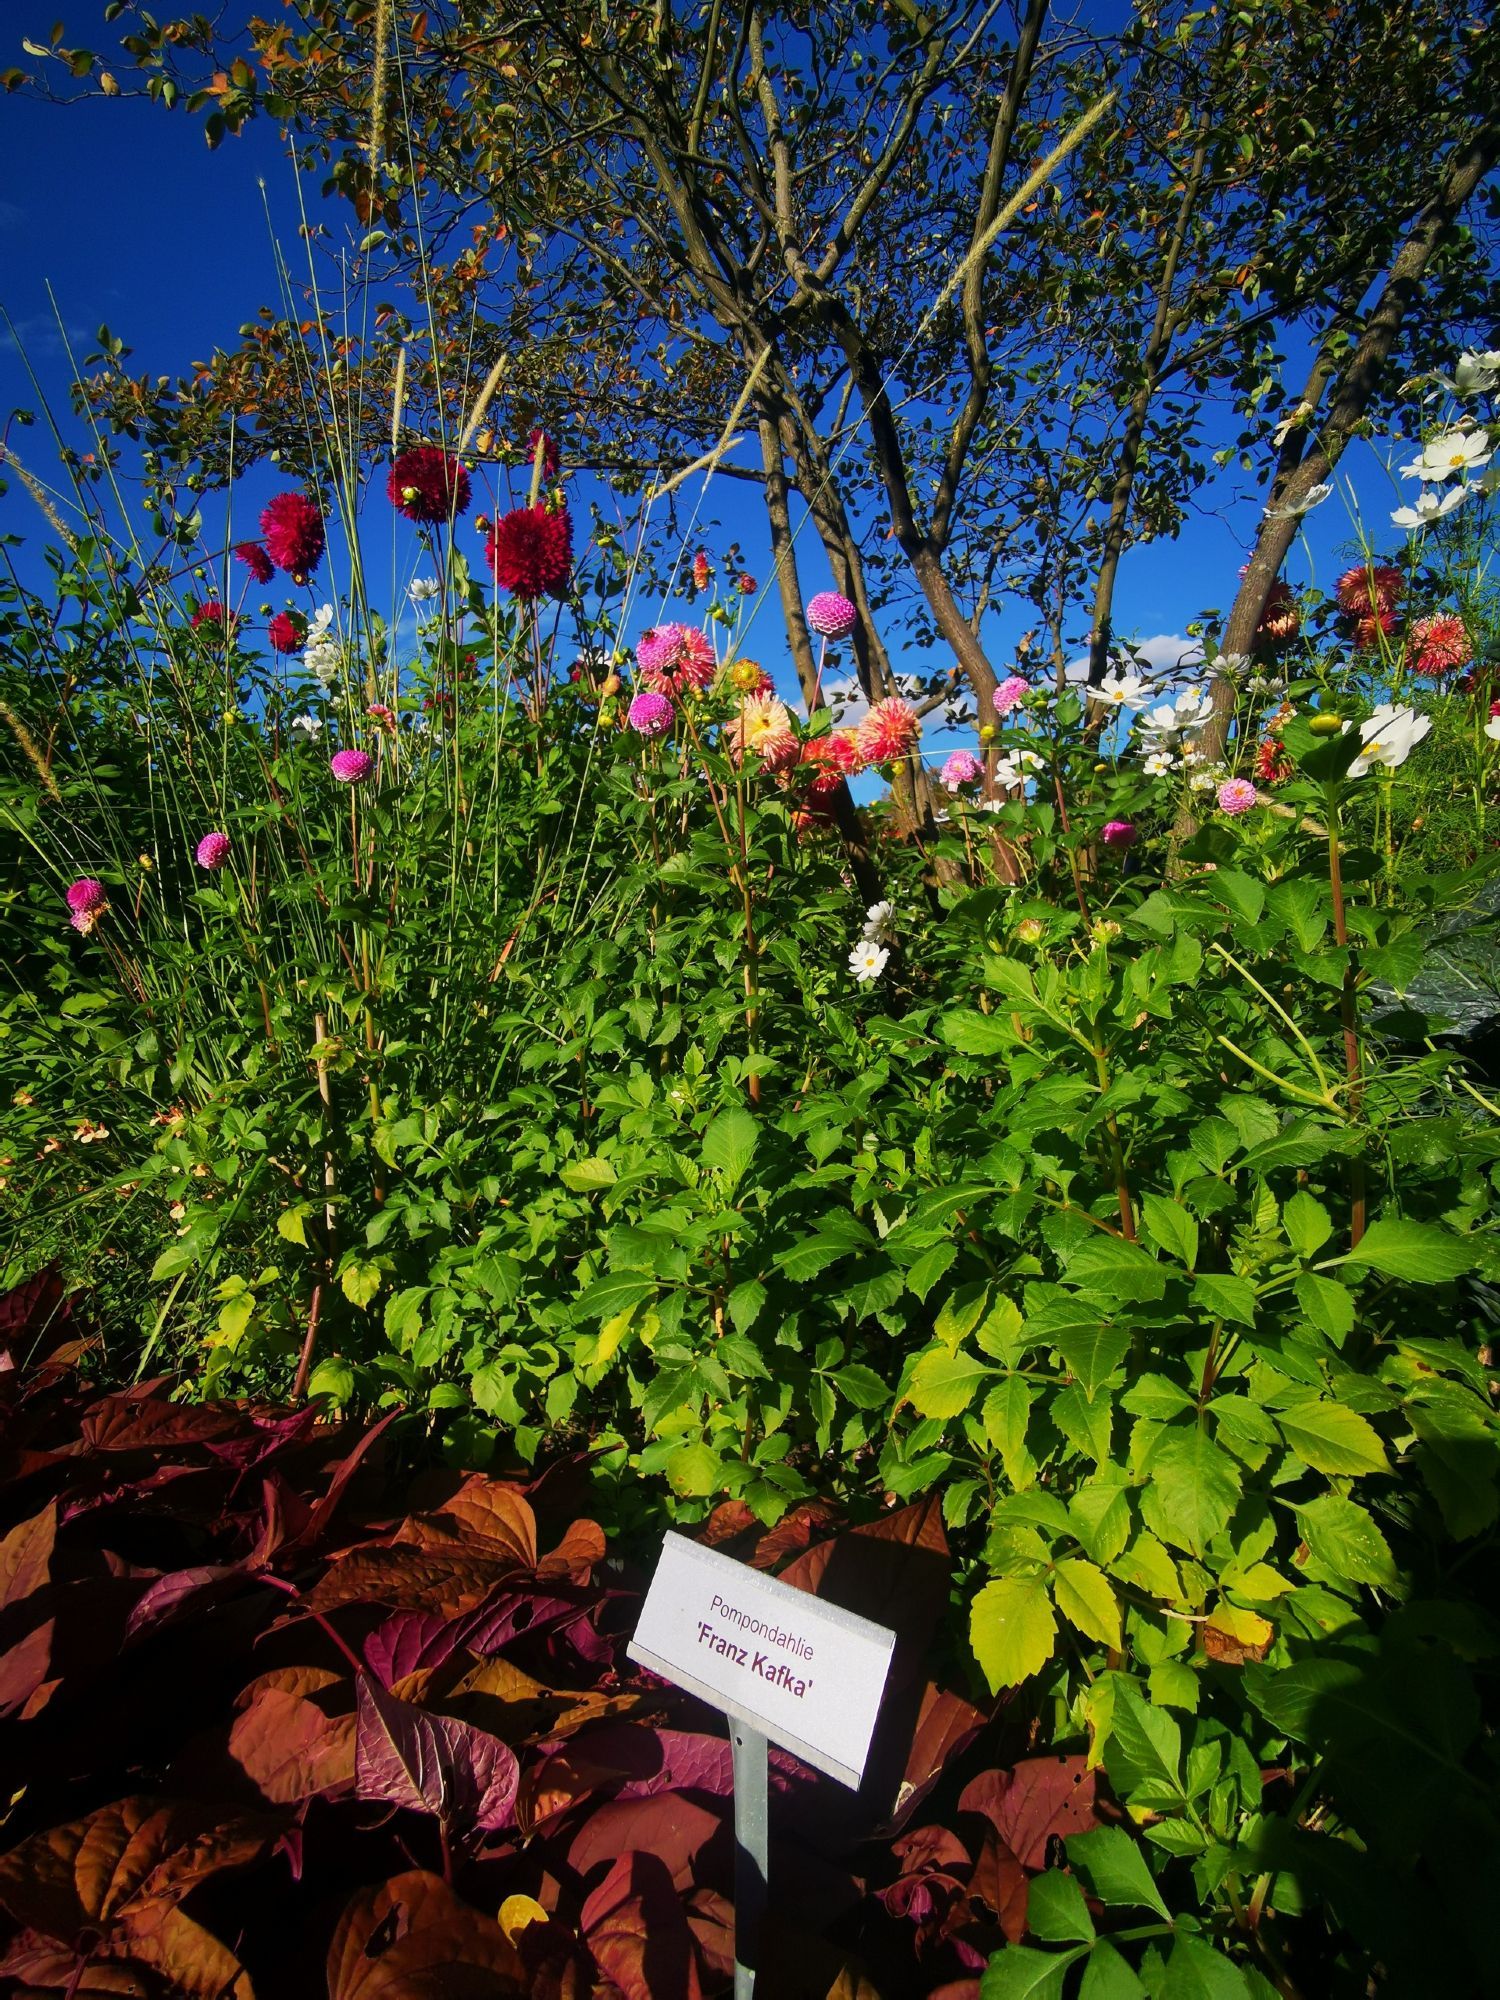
(1388, 737)
(1229, 665)
(1450, 456)
(867, 961)
(878, 922)
(1158, 763)
(1118, 690)
(1430, 506)
(320, 624)
(310, 726)
(423, 589)
(1193, 707)
(1475, 372)
(1160, 721)
(1492, 729)
(1294, 509)
(1289, 423)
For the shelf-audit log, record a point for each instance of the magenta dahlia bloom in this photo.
(531, 551)
(255, 559)
(962, 768)
(1120, 833)
(651, 714)
(1009, 692)
(674, 658)
(285, 633)
(428, 486)
(213, 850)
(831, 615)
(351, 767)
(1237, 795)
(293, 528)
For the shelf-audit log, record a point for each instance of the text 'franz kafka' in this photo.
(778, 1672)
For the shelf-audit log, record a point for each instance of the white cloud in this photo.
(1162, 657)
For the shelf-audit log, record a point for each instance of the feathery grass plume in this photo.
(40, 494)
(28, 745)
(482, 401)
(398, 397)
(377, 84)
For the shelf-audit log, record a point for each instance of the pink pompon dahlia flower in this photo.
(1281, 616)
(744, 583)
(889, 730)
(531, 551)
(1237, 795)
(255, 559)
(961, 768)
(212, 851)
(293, 528)
(763, 728)
(1010, 691)
(87, 903)
(212, 619)
(285, 633)
(1120, 833)
(651, 714)
(1367, 588)
(428, 486)
(673, 658)
(1441, 644)
(831, 615)
(351, 767)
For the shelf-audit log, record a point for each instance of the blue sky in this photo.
(133, 222)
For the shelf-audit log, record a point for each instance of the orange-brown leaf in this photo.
(412, 1939)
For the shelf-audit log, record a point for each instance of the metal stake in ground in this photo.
(751, 1848)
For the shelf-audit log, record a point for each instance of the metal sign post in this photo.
(786, 1668)
(751, 1854)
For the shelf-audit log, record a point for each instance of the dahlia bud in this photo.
(410, 493)
(1324, 724)
(482, 523)
(987, 732)
(611, 686)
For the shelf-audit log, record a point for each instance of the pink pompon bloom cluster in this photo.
(673, 658)
(1010, 691)
(428, 486)
(383, 718)
(1369, 589)
(1441, 644)
(702, 570)
(1237, 795)
(1281, 615)
(285, 633)
(763, 728)
(888, 731)
(213, 850)
(351, 767)
(212, 618)
(544, 441)
(87, 902)
(293, 528)
(531, 551)
(255, 559)
(961, 768)
(744, 583)
(651, 713)
(831, 615)
(1120, 833)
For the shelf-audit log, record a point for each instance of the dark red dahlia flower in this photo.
(285, 633)
(213, 620)
(293, 529)
(428, 486)
(531, 551)
(550, 460)
(255, 559)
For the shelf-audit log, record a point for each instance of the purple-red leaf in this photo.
(430, 1763)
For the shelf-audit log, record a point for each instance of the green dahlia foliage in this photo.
(427, 1035)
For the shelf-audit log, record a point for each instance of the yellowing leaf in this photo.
(1331, 1439)
(516, 1912)
(292, 1225)
(360, 1282)
(1147, 1565)
(1083, 1595)
(1012, 1629)
(944, 1384)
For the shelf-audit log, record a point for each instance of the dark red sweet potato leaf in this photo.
(405, 1756)
(412, 1939)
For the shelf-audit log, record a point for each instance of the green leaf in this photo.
(1144, 1751)
(1109, 1268)
(1327, 1303)
(1108, 1977)
(1012, 1630)
(360, 1281)
(1017, 1972)
(944, 1384)
(862, 1386)
(291, 1225)
(1115, 1869)
(1195, 1971)
(1172, 1227)
(583, 1175)
(1007, 1410)
(1056, 1911)
(974, 1034)
(1083, 1595)
(729, 1145)
(694, 1471)
(1193, 1490)
(1347, 1542)
(1307, 1224)
(1332, 1439)
(744, 1304)
(1421, 1253)
(332, 1378)
(1093, 1354)
(1225, 1296)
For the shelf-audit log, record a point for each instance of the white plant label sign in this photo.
(804, 1673)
